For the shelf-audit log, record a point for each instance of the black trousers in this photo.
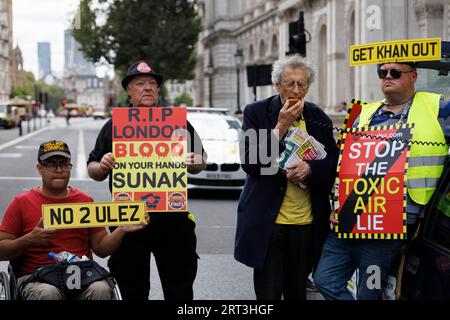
(288, 263)
(173, 243)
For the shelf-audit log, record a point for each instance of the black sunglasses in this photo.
(395, 73)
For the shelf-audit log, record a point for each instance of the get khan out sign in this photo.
(149, 145)
(396, 51)
(371, 185)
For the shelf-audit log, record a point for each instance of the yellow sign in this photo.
(396, 51)
(150, 147)
(92, 214)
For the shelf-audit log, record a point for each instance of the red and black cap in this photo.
(53, 148)
(141, 68)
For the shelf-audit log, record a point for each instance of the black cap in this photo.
(140, 68)
(53, 148)
(411, 64)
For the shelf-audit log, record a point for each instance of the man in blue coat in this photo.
(283, 215)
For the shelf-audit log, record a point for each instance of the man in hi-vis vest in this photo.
(430, 114)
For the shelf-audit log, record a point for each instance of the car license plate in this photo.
(218, 176)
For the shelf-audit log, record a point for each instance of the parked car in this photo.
(99, 114)
(426, 272)
(6, 118)
(219, 132)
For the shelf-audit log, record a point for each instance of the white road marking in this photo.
(40, 178)
(10, 155)
(20, 139)
(26, 147)
(81, 157)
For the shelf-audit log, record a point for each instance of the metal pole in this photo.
(238, 110)
(210, 91)
(254, 85)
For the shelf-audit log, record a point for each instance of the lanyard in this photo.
(403, 115)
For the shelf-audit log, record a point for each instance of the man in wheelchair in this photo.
(25, 241)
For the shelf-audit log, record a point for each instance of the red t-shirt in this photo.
(24, 213)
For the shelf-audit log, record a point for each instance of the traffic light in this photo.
(63, 102)
(297, 36)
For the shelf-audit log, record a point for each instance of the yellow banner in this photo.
(396, 51)
(92, 214)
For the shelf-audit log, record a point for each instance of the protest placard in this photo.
(92, 214)
(370, 194)
(396, 51)
(149, 146)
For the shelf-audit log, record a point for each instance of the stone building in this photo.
(80, 82)
(5, 47)
(17, 74)
(260, 29)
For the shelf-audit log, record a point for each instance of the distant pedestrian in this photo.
(342, 107)
(68, 117)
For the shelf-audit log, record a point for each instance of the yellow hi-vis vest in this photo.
(426, 162)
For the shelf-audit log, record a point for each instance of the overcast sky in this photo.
(42, 21)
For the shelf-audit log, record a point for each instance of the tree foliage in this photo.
(184, 99)
(162, 32)
(27, 89)
(55, 93)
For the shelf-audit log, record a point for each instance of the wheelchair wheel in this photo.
(4, 286)
(12, 283)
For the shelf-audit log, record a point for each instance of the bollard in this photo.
(20, 127)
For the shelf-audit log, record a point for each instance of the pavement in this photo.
(29, 128)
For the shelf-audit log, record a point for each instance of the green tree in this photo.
(163, 32)
(27, 89)
(54, 93)
(123, 99)
(184, 98)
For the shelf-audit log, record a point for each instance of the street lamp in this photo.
(239, 57)
(209, 70)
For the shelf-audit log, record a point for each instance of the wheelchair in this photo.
(10, 291)
(8, 285)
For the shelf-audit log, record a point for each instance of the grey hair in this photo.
(294, 61)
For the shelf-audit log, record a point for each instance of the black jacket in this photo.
(263, 194)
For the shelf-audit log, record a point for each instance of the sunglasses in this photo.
(395, 73)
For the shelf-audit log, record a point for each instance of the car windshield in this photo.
(210, 127)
